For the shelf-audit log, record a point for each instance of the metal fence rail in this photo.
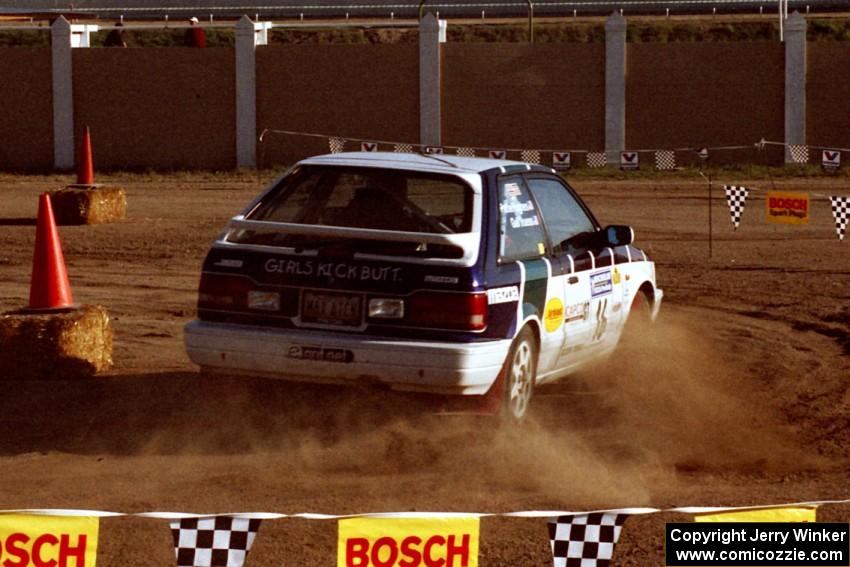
(409, 9)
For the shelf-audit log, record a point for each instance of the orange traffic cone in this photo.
(50, 288)
(85, 167)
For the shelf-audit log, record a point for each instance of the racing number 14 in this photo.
(601, 319)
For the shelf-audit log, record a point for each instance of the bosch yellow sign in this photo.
(48, 541)
(787, 208)
(408, 542)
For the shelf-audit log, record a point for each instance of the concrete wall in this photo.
(174, 108)
(546, 96)
(828, 95)
(26, 111)
(361, 91)
(705, 94)
(167, 108)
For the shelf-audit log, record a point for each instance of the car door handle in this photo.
(572, 280)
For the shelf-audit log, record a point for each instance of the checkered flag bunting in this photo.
(403, 148)
(665, 160)
(530, 156)
(466, 152)
(596, 159)
(220, 541)
(337, 145)
(840, 211)
(585, 540)
(798, 153)
(736, 197)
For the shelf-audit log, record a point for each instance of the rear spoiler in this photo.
(466, 241)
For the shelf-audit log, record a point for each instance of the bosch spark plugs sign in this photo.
(48, 541)
(408, 542)
(787, 208)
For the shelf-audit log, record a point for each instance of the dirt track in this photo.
(741, 397)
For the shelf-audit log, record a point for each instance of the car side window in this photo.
(568, 223)
(520, 232)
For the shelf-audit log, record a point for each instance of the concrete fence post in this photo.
(246, 93)
(63, 94)
(615, 88)
(429, 81)
(795, 82)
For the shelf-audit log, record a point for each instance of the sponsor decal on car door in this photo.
(601, 293)
(578, 318)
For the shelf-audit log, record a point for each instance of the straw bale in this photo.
(92, 204)
(73, 344)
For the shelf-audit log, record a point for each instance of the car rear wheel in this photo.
(520, 373)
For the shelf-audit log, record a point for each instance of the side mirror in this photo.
(618, 235)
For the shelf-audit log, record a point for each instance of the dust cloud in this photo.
(667, 402)
(673, 396)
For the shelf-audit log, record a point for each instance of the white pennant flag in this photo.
(736, 197)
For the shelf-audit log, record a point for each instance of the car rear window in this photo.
(370, 198)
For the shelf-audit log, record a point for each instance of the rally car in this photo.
(429, 273)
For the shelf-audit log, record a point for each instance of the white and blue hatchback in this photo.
(437, 274)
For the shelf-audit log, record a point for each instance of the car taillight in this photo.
(462, 311)
(219, 291)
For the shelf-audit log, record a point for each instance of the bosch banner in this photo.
(408, 542)
(48, 541)
(787, 208)
(778, 514)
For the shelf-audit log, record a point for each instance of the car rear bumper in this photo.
(318, 356)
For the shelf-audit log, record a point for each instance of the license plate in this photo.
(331, 308)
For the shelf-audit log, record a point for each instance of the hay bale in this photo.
(67, 345)
(88, 204)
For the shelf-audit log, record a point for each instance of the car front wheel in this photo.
(520, 372)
